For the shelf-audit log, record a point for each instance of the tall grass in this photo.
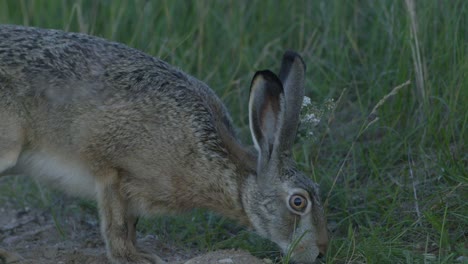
(397, 189)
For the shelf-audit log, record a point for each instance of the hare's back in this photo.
(75, 82)
(45, 62)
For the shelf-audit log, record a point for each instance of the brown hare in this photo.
(104, 121)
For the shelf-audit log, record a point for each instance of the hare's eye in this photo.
(298, 202)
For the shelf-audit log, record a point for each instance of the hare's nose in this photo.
(322, 249)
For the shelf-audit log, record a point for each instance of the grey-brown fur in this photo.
(101, 120)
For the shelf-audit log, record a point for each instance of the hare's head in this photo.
(282, 203)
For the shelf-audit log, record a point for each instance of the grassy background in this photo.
(395, 181)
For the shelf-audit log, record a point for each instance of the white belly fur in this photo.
(69, 175)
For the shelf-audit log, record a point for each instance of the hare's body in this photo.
(89, 104)
(101, 120)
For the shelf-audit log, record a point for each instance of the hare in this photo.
(100, 120)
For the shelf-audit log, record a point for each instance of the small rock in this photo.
(9, 257)
(226, 260)
(50, 253)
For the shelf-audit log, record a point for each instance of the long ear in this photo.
(265, 112)
(292, 74)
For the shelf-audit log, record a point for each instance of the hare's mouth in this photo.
(304, 255)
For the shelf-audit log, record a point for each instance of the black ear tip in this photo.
(273, 82)
(267, 75)
(290, 55)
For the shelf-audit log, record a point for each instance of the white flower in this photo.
(306, 101)
(311, 115)
(311, 119)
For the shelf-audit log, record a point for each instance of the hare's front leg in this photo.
(118, 225)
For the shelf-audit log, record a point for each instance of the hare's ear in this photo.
(265, 112)
(274, 108)
(292, 74)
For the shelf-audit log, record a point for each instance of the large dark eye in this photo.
(298, 202)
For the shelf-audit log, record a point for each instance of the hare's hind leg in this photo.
(10, 149)
(8, 157)
(117, 222)
(10, 141)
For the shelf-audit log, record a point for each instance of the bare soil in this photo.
(30, 236)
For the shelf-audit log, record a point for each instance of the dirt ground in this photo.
(30, 236)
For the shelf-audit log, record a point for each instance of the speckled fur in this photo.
(101, 120)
